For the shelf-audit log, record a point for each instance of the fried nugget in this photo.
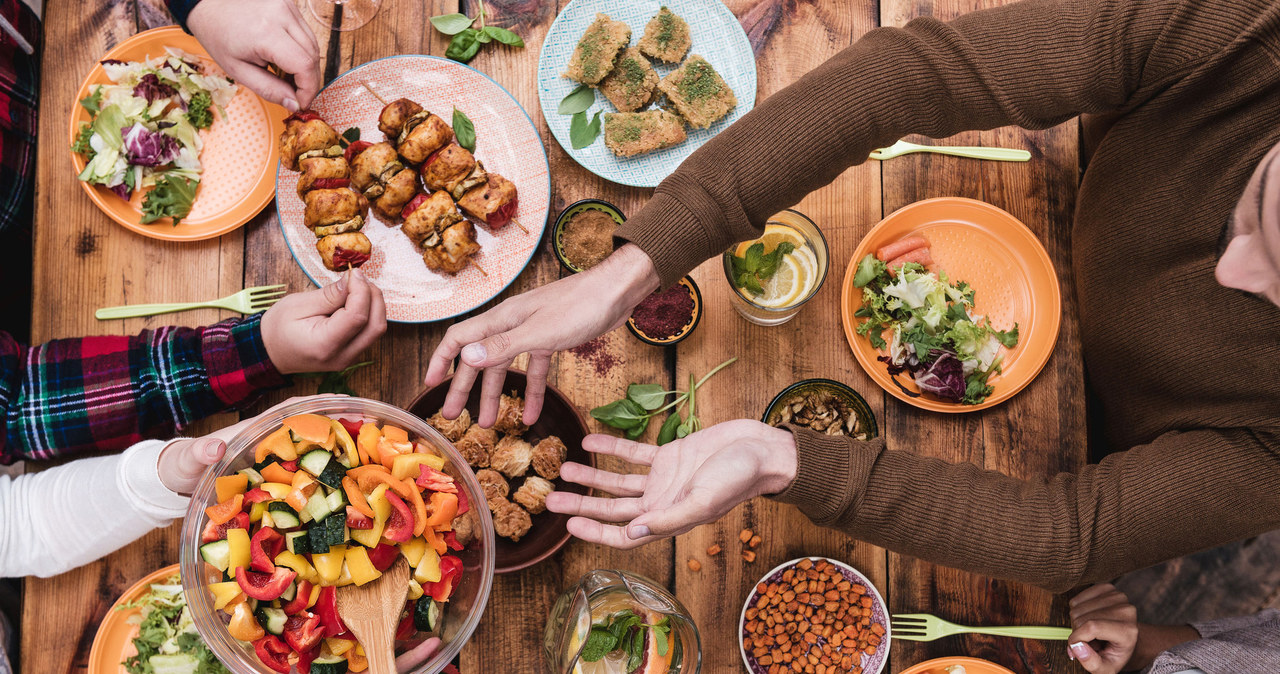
(453, 429)
(494, 485)
(511, 456)
(510, 415)
(597, 49)
(698, 92)
(631, 133)
(476, 444)
(631, 84)
(533, 494)
(511, 521)
(666, 37)
(548, 455)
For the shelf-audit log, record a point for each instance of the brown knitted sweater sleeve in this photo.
(1034, 64)
(1181, 493)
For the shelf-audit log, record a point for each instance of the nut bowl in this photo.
(792, 406)
(464, 607)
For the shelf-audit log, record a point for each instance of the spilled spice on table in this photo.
(597, 354)
(664, 313)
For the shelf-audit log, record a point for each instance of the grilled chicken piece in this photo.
(394, 115)
(421, 135)
(457, 245)
(341, 251)
(333, 206)
(304, 132)
(454, 170)
(368, 166)
(425, 222)
(400, 188)
(323, 172)
(493, 203)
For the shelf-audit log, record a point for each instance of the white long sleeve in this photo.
(64, 517)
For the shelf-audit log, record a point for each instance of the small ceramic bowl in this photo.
(869, 663)
(866, 420)
(557, 230)
(688, 284)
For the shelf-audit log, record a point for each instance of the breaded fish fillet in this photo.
(631, 133)
(698, 92)
(597, 50)
(666, 37)
(631, 84)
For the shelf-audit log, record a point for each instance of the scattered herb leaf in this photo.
(668, 431)
(464, 46)
(464, 130)
(504, 36)
(632, 417)
(583, 133)
(350, 136)
(599, 642)
(577, 101)
(451, 24)
(340, 382)
(467, 39)
(648, 396)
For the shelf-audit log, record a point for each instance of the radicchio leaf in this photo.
(151, 88)
(148, 148)
(944, 377)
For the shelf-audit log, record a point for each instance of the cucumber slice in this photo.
(318, 538)
(318, 507)
(427, 614)
(332, 474)
(289, 592)
(337, 501)
(217, 553)
(255, 478)
(283, 516)
(297, 542)
(271, 458)
(332, 664)
(271, 619)
(336, 528)
(315, 461)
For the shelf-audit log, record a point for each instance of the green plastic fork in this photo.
(992, 153)
(247, 301)
(925, 627)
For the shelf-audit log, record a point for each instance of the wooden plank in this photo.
(811, 345)
(1039, 432)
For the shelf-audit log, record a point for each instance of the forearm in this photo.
(68, 516)
(1156, 639)
(1132, 510)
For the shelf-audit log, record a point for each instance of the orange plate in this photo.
(971, 666)
(1006, 265)
(114, 641)
(239, 154)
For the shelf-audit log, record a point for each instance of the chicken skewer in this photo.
(334, 212)
(447, 239)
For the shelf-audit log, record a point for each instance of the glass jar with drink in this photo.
(774, 275)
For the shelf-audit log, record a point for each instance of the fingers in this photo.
(296, 60)
(373, 329)
(183, 462)
(605, 509)
(455, 338)
(614, 483)
(307, 82)
(459, 391)
(603, 534)
(633, 452)
(490, 393)
(352, 317)
(535, 387)
(1114, 605)
(263, 83)
(1083, 653)
(684, 515)
(1092, 593)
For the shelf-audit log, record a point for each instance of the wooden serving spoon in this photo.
(372, 611)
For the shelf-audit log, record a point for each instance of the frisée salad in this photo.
(144, 128)
(925, 325)
(167, 641)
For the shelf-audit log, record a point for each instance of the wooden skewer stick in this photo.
(517, 224)
(375, 93)
(477, 266)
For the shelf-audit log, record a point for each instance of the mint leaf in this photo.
(660, 636)
(577, 101)
(599, 642)
(755, 256)
(451, 24)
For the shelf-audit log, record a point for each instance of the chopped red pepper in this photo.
(343, 257)
(303, 631)
(273, 653)
(356, 148)
(383, 556)
(449, 669)
(353, 427)
(405, 629)
(216, 532)
(263, 548)
(302, 116)
(305, 658)
(291, 465)
(357, 519)
(400, 523)
(257, 495)
(464, 504)
(499, 218)
(430, 478)
(451, 540)
(327, 609)
(450, 571)
(299, 602)
(412, 206)
(264, 587)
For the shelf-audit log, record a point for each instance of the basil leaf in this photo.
(599, 642)
(648, 396)
(682, 431)
(451, 24)
(637, 431)
(350, 136)
(463, 46)
(660, 636)
(464, 130)
(583, 133)
(504, 36)
(577, 101)
(668, 431)
(621, 414)
(483, 37)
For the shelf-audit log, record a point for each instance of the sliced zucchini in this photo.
(217, 553)
(271, 458)
(336, 529)
(337, 501)
(329, 664)
(297, 542)
(255, 478)
(315, 461)
(427, 614)
(283, 516)
(332, 474)
(271, 619)
(318, 538)
(289, 592)
(318, 507)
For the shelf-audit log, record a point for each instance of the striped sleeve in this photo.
(106, 393)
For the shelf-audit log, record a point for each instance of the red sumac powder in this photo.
(662, 314)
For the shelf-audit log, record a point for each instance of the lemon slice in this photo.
(773, 235)
(787, 286)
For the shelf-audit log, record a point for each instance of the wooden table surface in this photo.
(84, 261)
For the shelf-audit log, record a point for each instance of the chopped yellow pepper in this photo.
(277, 490)
(362, 570)
(412, 550)
(256, 511)
(344, 576)
(339, 646)
(223, 593)
(415, 589)
(243, 625)
(279, 444)
(409, 465)
(381, 511)
(238, 548)
(428, 570)
(315, 594)
(298, 563)
(329, 564)
(345, 442)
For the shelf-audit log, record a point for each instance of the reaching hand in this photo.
(1105, 629)
(691, 481)
(559, 315)
(324, 330)
(243, 36)
(182, 462)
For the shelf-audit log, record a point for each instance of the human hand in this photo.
(182, 462)
(243, 36)
(1105, 629)
(691, 481)
(559, 315)
(324, 330)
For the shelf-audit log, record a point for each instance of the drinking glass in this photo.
(343, 14)
(814, 240)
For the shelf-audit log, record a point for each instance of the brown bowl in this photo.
(560, 418)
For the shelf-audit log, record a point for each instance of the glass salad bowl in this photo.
(461, 613)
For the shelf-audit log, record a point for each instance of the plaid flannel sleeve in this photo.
(181, 9)
(106, 393)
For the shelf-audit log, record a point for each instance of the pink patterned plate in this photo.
(506, 141)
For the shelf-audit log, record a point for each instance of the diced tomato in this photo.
(406, 629)
(291, 465)
(302, 116)
(400, 523)
(383, 556)
(257, 495)
(355, 149)
(412, 206)
(450, 571)
(299, 602)
(343, 257)
(353, 427)
(273, 653)
(431, 158)
(303, 631)
(262, 586)
(464, 504)
(327, 609)
(357, 520)
(430, 478)
(331, 183)
(216, 532)
(305, 658)
(451, 540)
(263, 548)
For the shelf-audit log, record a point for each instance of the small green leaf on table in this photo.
(464, 45)
(577, 101)
(583, 133)
(451, 24)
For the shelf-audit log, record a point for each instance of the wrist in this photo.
(190, 13)
(631, 273)
(778, 462)
(1156, 639)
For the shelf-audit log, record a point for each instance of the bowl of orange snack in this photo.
(325, 493)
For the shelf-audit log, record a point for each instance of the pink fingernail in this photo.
(1079, 651)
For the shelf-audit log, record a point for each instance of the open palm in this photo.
(691, 481)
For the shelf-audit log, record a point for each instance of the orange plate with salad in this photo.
(114, 641)
(956, 665)
(227, 166)
(329, 493)
(964, 282)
